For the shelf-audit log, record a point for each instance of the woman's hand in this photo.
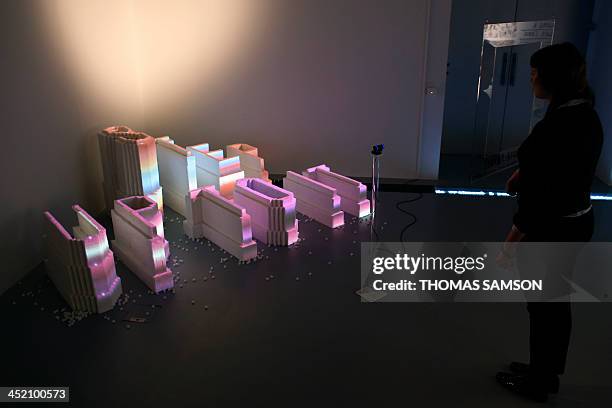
(512, 185)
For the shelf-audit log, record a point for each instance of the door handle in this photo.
(512, 75)
(502, 80)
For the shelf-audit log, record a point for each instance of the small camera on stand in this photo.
(377, 149)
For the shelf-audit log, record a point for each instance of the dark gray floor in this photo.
(242, 340)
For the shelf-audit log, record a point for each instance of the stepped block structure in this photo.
(139, 241)
(353, 194)
(220, 220)
(129, 165)
(250, 162)
(271, 208)
(177, 173)
(212, 168)
(81, 265)
(315, 200)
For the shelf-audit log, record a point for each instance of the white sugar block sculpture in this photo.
(81, 265)
(250, 162)
(272, 211)
(139, 241)
(220, 220)
(354, 195)
(177, 173)
(315, 200)
(212, 168)
(129, 165)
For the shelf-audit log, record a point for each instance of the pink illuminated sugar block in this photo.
(315, 200)
(139, 241)
(81, 265)
(250, 162)
(272, 211)
(220, 220)
(177, 173)
(354, 195)
(213, 169)
(129, 165)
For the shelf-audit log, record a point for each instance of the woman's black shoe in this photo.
(524, 385)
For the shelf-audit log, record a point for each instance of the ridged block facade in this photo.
(81, 265)
(250, 162)
(220, 220)
(129, 165)
(213, 169)
(272, 211)
(139, 241)
(354, 195)
(177, 173)
(315, 200)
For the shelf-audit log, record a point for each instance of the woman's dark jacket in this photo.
(557, 164)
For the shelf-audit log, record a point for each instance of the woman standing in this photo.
(557, 163)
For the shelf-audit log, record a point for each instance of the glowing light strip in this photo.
(601, 197)
(462, 192)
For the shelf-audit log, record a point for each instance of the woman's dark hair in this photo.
(562, 73)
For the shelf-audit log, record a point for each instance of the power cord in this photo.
(414, 220)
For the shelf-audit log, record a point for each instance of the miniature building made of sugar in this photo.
(250, 162)
(129, 165)
(315, 200)
(139, 241)
(81, 265)
(354, 195)
(220, 220)
(213, 169)
(271, 208)
(177, 173)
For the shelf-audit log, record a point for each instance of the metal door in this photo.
(506, 109)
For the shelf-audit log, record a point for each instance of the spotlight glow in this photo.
(151, 50)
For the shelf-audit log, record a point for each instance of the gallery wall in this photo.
(308, 82)
(324, 81)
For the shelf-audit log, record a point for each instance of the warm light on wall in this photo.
(148, 52)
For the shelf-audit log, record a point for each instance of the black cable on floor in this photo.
(414, 217)
(410, 224)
